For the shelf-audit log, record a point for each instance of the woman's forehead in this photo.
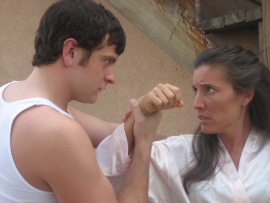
(209, 74)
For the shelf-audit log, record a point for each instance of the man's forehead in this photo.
(104, 42)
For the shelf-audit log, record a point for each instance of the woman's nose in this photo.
(198, 101)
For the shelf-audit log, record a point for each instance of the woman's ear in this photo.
(69, 47)
(247, 97)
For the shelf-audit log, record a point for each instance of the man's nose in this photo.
(110, 77)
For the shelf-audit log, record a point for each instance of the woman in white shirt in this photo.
(227, 160)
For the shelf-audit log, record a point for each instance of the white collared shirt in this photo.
(172, 157)
(250, 183)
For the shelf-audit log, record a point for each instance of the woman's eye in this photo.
(210, 90)
(195, 90)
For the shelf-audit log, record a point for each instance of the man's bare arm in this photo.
(60, 157)
(163, 96)
(96, 128)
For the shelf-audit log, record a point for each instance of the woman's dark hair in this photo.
(245, 72)
(84, 20)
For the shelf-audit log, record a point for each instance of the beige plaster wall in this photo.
(138, 70)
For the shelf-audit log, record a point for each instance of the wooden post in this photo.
(163, 23)
(265, 33)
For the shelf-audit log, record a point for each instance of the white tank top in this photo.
(13, 187)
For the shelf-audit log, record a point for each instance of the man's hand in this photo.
(144, 125)
(163, 96)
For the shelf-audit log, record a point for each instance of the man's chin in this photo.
(92, 101)
(89, 101)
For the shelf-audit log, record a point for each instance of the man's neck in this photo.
(48, 82)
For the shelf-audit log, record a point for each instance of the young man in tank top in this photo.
(45, 151)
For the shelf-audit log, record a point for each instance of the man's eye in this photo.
(107, 61)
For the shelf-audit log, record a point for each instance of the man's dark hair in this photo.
(83, 20)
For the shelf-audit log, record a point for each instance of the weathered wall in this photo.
(138, 70)
(169, 23)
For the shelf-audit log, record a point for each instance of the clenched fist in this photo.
(163, 96)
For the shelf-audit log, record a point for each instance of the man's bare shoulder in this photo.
(45, 120)
(48, 129)
(45, 142)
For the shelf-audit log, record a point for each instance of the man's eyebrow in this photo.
(112, 58)
(110, 55)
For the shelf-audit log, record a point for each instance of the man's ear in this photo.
(247, 97)
(69, 47)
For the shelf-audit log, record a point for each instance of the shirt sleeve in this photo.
(112, 153)
(159, 184)
(165, 182)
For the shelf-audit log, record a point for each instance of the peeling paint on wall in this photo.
(182, 14)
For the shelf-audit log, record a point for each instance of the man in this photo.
(45, 151)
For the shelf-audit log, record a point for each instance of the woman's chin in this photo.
(206, 130)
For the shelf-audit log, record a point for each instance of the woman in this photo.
(227, 160)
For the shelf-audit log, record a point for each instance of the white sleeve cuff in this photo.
(112, 153)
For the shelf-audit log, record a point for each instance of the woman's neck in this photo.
(235, 140)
